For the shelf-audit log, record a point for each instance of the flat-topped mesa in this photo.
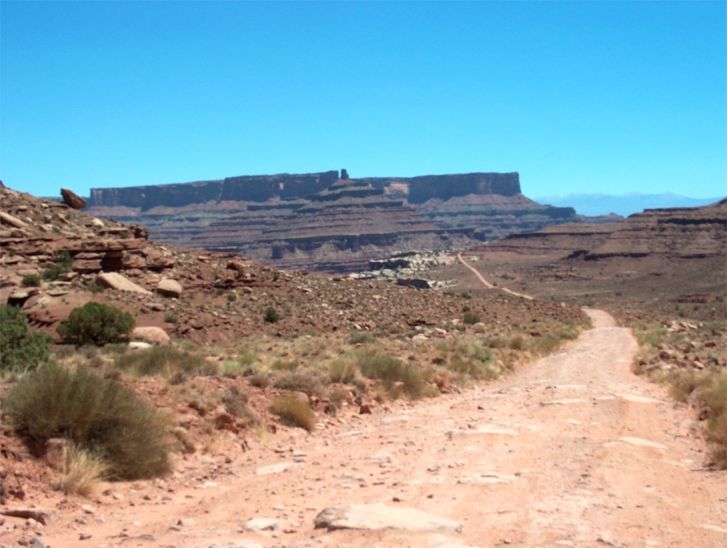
(444, 187)
(248, 188)
(422, 188)
(286, 186)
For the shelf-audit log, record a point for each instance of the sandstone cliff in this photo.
(321, 221)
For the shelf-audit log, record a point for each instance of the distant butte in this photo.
(326, 221)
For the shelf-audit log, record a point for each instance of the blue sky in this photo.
(577, 97)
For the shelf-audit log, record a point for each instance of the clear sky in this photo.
(576, 96)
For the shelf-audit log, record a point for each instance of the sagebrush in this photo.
(96, 414)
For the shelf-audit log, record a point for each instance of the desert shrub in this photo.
(714, 400)
(360, 337)
(651, 336)
(246, 357)
(63, 264)
(97, 414)
(164, 361)
(284, 365)
(242, 365)
(82, 471)
(306, 381)
(468, 359)
(294, 411)
(271, 315)
(517, 343)
(343, 371)
(31, 280)
(235, 401)
(376, 364)
(682, 384)
(545, 344)
(471, 318)
(171, 317)
(260, 379)
(19, 348)
(96, 323)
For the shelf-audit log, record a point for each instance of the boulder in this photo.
(114, 280)
(169, 288)
(72, 200)
(151, 334)
(373, 517)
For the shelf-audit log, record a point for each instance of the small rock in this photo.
(374, 517)
(139, 345)
(262, 524)
(8, 219)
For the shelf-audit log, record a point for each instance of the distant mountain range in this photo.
(624, 204)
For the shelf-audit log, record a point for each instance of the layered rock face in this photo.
(657, 258)
(673, 233)
(323, 222)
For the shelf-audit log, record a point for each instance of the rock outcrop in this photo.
(322, 222)
(72, 200)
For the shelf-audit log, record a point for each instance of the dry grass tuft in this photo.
(342, 371)
(82, 472)
(294, 411)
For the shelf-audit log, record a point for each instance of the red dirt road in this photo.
(571, 450)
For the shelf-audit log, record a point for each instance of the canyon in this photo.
(328, 221)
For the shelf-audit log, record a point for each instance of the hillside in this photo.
(319, 221)
(651, 257)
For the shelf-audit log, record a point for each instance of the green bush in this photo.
(470, 318)
(31, 280)
(96, 323)
(376, 364)
(97, 414)
(19, 348)
(271, 315)
(165, 361)
(62, 264)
